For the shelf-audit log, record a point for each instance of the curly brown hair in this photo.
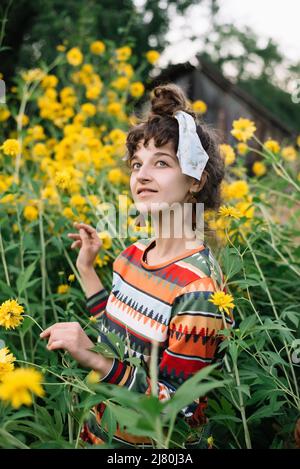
(160, 124)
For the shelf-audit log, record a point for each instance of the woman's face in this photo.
(158, 170)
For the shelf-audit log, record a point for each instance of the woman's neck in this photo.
(170, 242)
(169, 248)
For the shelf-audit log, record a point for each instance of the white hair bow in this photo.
(191, 154)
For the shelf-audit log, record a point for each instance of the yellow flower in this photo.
(63, 179)
(243, 129)
(120, 83)
(36, 133)
(93, 377)
(237, 189)
(7, 199)
(93, 319)
(152, 56)
(34, 74)
(272, 146)
(61, 289)
(199, 106)
(77, 200)
(228, 211)
(68, 213)
(4, 114)
(242, 148)
(117, 136)
(30, 213)
(22, 119)
(227, 152)
(93, 199)
(74, 56)
(106, 239)
(259, 168)
(93, 92)
(123, 53)
(88, 109)
(97, 47)
(137, 89)
(17, 386)
(222, 300)
(61, 48)
(40, 150)
(210, 442)
(50, 81)
(246, 209)
(11, 147)
(71, 278)
(11, 314)
(115, 176)
(289, 153)
(114, 108)
(6, 361)
(126, 69)
(298, 140)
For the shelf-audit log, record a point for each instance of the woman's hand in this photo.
(89, 244)
(71, 337)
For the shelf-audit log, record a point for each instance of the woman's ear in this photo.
(198, 185)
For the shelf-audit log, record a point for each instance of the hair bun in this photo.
(168, 99)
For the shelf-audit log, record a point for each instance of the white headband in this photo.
(191, 154)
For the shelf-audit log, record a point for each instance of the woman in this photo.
(162, 286)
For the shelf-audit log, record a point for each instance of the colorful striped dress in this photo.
(167, 303)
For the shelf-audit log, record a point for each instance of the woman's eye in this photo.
(133, 167)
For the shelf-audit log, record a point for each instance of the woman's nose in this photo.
(144, 173)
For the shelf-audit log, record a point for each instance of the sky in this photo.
(278, 19)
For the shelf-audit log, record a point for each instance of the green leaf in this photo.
(109, 422)
(8, 439)
(192, 389)
(104, 350)
(231, 263)
(247, 323)
(6, 290)
(266, 411)
(24, 277)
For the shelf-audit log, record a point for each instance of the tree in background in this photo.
(36, 27)
(255, 64)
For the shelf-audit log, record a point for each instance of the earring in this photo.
(193, 199)
(140, 221)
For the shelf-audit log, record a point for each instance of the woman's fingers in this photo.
(76, 244)
(56, 344)
(74, 235)
(88, 228)
(91, 232)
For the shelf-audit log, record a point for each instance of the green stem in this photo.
(43, 267)
(23, 345)
(27, 316)
(4, 260)
(242, 407)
